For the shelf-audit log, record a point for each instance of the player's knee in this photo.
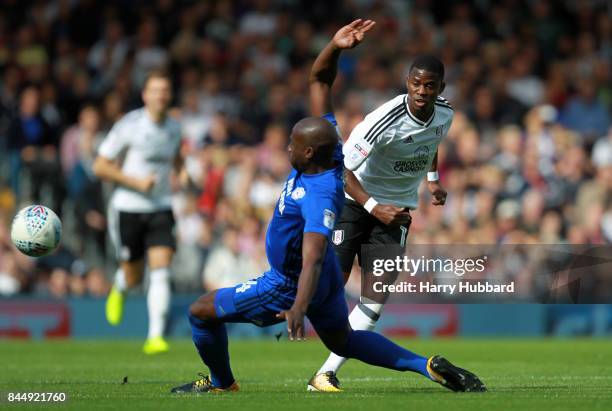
(132, 271)
(203, 308)
(339, 348)
(196, 310)
(159, 257)
(336, 342)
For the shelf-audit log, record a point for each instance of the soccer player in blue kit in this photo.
(305, 278)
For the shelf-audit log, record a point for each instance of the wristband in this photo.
(433, 176)
(370, 204)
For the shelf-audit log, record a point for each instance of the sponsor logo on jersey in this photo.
(290, 185)
(409, 140)
(338, 237)
(329, 218)
(245, 286)
(419, 163)
(286, 191)
(363, 151)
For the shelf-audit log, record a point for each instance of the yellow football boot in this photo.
(203, 385)
(114, 307)
(324, 382)
(155, 345)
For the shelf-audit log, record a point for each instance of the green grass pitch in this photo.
(520, 374)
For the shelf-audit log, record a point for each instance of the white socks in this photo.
(158, 301)
(120, 283)
(363, 317)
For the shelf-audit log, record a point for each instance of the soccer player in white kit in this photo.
(138, 155)
(386, 158)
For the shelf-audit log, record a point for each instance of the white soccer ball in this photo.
(36, 231)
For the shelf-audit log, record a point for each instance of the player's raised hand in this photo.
(438, 194)
(389, 214)
(295, 323)
(352, 34)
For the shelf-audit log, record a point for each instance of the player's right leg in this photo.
(128, 275)
(247, 302)
(210, 338)
(126, 232)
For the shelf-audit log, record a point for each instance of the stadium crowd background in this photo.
(528, 158)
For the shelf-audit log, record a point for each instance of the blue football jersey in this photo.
(308, 203)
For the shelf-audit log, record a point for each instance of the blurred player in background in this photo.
(386, 157)
(138, 155)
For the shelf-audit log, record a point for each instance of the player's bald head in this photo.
(317, 133)
(314, 140)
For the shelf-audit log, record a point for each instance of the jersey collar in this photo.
(414, 118)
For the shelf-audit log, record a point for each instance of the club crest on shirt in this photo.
(338, 237)
(298, 193)
(329, 218)
(439, 131)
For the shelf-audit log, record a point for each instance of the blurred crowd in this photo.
(528, 158)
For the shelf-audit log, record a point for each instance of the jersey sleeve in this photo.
(368, 134)
(319, 213)
(338, 156)
(114, 143)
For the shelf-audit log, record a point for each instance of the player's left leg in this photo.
(158, 297)
(330, 320)
(160, 244)
(358, 344)
(365, 314)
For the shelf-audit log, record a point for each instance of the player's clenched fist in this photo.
(352, 34)
(438, 194)
(389, 214)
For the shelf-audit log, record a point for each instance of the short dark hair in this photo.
(157, 73)
(428, 63)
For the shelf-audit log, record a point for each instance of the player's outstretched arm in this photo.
(107, 169)
(313, 252)
(324, 69)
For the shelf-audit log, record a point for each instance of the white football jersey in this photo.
(149, 148)
(391, 150)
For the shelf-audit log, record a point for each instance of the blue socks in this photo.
(211, 341)
(374, 349)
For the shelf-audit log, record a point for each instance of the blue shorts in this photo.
(259, 300)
